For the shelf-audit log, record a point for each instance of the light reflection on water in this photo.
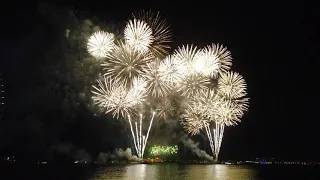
(175, 171)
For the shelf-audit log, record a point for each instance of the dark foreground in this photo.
(159, 172)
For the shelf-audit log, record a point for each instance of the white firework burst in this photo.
(116, 98)
(206, 62)
(138, 91)
(223, 54)
(138, 35)
(164, 108)
(194, 119)
(232, 85)
(185, 55)
(161, 32)
(227, 113)
(172, 69)
(139, 84)
(205, 98)
(124, 63)
(157, 86)
(100, 44)
(193, 84)
(242, 103)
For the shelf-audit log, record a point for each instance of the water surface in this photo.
(175, 171)
(160, 172)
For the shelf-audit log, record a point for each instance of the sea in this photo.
(159, 172)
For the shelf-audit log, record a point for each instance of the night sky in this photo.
(273, 46)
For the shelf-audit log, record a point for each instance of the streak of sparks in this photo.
(140, 140)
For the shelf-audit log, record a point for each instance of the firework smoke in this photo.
(118, 154)
(71, 150)
(189, 143)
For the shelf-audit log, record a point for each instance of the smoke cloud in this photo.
(118, 154)
(71, 151)
(189, 143)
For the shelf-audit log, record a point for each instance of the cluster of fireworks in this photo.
(142, 80)
(163, 150)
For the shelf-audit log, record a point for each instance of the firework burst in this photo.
(124, 63)
(161, 32)
(194, 119)
(185, 57)
(206, 62)
(222, 53)
(142, 76)
(157, 86)
(232, 85)
(100, 44)
(138, 35)
(172, 69)
(193, 84)
(164, 108)
(138, 91)
(228, 113)
(116, 98)
(242, 104)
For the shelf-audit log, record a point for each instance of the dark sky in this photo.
(273, 46)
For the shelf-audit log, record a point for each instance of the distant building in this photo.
(7, 159)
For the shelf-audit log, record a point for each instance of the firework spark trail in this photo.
(218, 135)
(134, 138)
(145, 143)
(140, 137)
(137, 133)
(216, 142)
(139, 140)
(209, 135)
